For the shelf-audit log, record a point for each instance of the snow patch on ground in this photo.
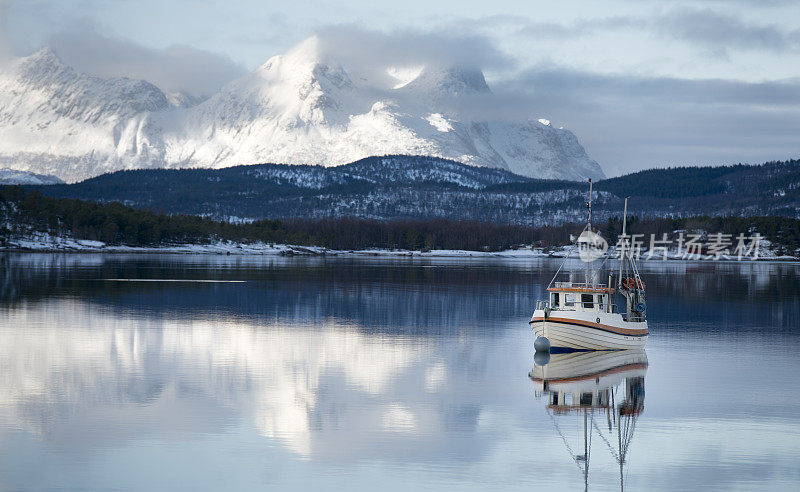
(404, 75)
(439, 122)
(48, 243)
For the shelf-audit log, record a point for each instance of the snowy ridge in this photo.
(297, 108)
(384, 170)
(84, 98)
(401, 169)
(14, 177)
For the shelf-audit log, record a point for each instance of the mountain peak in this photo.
(52, 91)
(17, 177)
(304, 56)
(451, 80)
(42, 63)
(45, 54)
(304, 64)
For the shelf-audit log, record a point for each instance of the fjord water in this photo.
(172, 372)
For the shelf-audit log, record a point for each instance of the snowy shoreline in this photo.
(44, 243)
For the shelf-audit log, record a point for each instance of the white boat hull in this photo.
(581, 331)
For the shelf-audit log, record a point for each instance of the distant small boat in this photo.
(585, 315)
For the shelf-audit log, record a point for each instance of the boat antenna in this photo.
(589, 229)
(589, 205)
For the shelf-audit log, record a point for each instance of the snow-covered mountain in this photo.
(14, 177)
(298, 108)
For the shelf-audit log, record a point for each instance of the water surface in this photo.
(230, 372)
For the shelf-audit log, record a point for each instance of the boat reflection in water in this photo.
(607, 388)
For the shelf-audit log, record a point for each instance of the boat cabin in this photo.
(571, 296)
(567, 401)
(631, 402)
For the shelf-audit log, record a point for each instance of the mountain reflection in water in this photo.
(342, 373)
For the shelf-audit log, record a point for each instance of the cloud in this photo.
(579, 28)
(629, 123)
(174, 68)
(748, 3)
(352, 45)
(544, 82)
(708, 28)
(6, 50)
(722, 31)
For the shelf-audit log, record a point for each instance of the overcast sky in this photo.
(642, 83)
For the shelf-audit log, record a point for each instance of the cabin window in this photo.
(569, 299)
(586, 399)
(587, 300)
(555, 299)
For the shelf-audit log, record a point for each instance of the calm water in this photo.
(293, 374)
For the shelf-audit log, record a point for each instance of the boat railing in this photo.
(588, 306)
(579, 285)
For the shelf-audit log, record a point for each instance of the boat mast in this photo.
(621, 455)
(589, 229)
(585, 453)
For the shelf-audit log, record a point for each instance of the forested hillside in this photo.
(424, 188)
(25, 211)
(771, 188)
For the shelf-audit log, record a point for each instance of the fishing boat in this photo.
(588, 314)
(606, 389)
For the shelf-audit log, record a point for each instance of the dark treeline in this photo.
(684, 182)
(23, 211)
(117, 224)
